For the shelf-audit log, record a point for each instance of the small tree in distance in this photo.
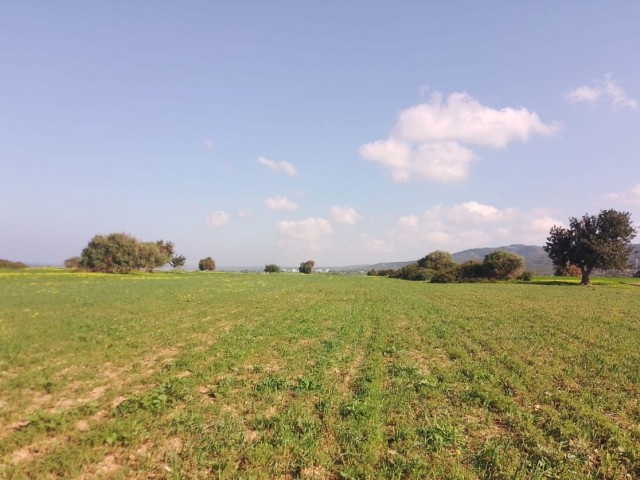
(593, 241)
(72, 262)
(178, 261)
(272, 268)
(306, 267)
(121, 253)
(207, 264)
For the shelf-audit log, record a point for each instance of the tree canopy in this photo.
(306, 267)
(593, 241)
(207, 264)
(121, 253)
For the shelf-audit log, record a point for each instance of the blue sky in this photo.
(344, 132)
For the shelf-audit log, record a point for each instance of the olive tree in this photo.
(207, 264)
(121, 253)
(593, 241)
(306, 267)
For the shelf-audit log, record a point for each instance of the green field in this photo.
(195, 375)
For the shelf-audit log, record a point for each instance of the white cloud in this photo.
(605, 88)
(428, 141)
(470, 225)
(280, 203)
(208, 144)
(446, 162)
(376, 245)
(408, 221)
(283, 167)
(462, 119)
(218, 219)
(245, 213)
(629, 197)
(583, 95)
(312, 233)
(469, 212)
(344, 215)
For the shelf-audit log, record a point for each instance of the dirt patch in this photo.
(82, 425)
(35, 450)
(348, 375)
(315, 472)
(107, 467)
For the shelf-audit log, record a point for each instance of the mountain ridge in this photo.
(536, 259)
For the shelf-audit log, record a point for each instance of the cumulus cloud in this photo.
(469, 212)
(463, 119)
(377, 245)
(604, 88)
(472, 224)
(280, 203)
(312, 233)
(245, 213)
(629, 197)
(208, 144)
(430, 141)
(282, 166)
(343, 215)
(218, 219)
(408, 221)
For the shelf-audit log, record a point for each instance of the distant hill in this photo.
(535, 259)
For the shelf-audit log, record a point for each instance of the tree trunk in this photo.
(586, 273)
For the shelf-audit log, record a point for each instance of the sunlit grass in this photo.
(193, 375)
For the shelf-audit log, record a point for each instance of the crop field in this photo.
(221, 375)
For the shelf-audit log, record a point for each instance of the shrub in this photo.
(72, 262)
(471, 269)
(207, 264)
(567, 271)
(414, 272)
(121, 253)
(272, 268)
(178, 261)
(390, 272)
(306, 267)
(501, 265)
(637, 274)
(12, 265)
(527, 276)
(438, 260)
(446, 276)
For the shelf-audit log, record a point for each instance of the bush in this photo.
(390, 272)
(471, 269)
(527, 276)
(72, 262)
(207, 264)
(272, 268)
(438, 260)
(12, 265)
(178, 261)
(446, 276)
(567, 271)
(121, 253)
(414, 272)
(306, 267)
(501, 265)
(637, 274)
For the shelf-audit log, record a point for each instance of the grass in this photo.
(193, 375)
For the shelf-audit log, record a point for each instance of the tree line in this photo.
(440, 267)
(591, 242)
(123, 253)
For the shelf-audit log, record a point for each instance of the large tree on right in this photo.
(593, 241)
